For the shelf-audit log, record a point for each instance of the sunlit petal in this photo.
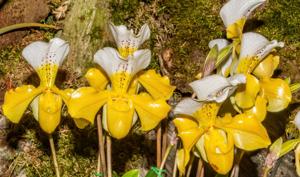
(234, 10)
(17, 100)
(156, 85)
(127, 41)
(277, 92)
(259, 110)
(246, 94)
(39, 53)
(119, 116)
(266, 68)
(96, 78)
(85, 102)
(150, 111)
(185, 124)
(248, 132)
(256, 45)
(219, 149)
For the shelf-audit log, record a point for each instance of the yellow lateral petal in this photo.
(266, 68)
(259, 110)
(85, 102)
(96, 78)
(184, 124)
(277, 92)
(159, 87)
(200, 147)
(249, 134)
(246, 94)
(49, 111)
(119, 116)
(219, 150)
(180, 161)
(150, 111)
(17, 100)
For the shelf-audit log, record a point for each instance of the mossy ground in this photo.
(183, 28)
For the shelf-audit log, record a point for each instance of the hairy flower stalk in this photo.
(46, 100)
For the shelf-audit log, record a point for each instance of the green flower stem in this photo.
(24, 25)
(108, 156)
(101, 166)
(54, 156)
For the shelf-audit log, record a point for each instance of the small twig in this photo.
(168, 150)
(164, 138)
(158, 146)
(200, 168)
(24, 25)
(101, 167)
(190, 166)
(108, 156)
(54, 156)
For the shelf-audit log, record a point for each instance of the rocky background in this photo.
(181, 30)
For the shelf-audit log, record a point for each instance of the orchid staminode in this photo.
(45, 58)
(127, 41)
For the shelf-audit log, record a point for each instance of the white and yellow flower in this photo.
(214, 137)
(45, 58)
(127, 41)
(234, 14)
(121, 99)
(258, 64)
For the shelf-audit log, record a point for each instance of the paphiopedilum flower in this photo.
(121, 98)
(213, 136)
(127, 41)
(45, 58)
(234, 14)
(258, 64)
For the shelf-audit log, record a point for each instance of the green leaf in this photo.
(276, 147)
(155, 172)
(210, 61)
(132, 173)
(224, 54)
(288, 146)
(24, 25)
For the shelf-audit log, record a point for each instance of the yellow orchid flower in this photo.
(120, 101)
(258, 64)
(127, 41)
(46, 100)
(215, 137)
